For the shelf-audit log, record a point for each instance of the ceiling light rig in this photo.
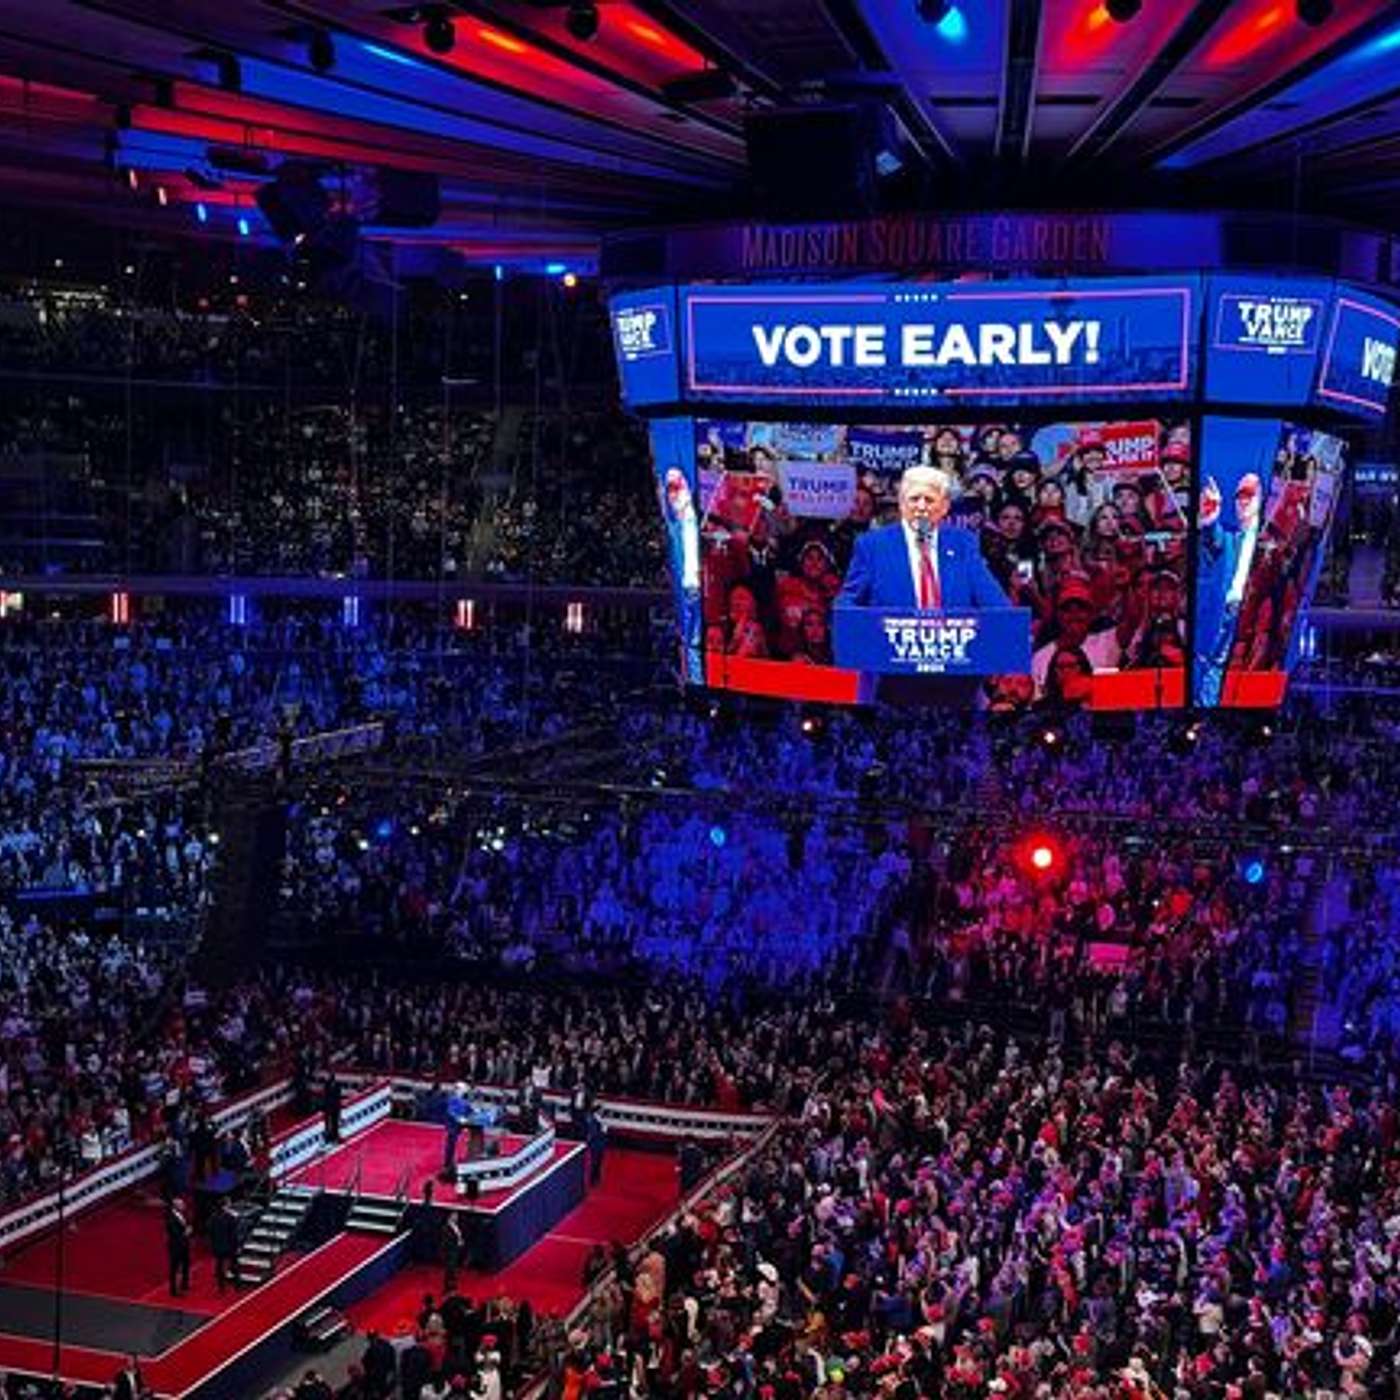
(582, 19)
(320, 50)
(439, 33)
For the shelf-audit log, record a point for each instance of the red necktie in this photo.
(930, 594)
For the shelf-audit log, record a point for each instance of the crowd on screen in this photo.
(1094, 543)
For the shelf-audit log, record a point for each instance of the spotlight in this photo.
(582, 19)
(1121, 11)
(1039, 855)
(439, 33)
(933, 11)
(1051, 737)
(1314, 12)
(320, 50)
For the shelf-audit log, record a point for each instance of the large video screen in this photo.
(1268, 495)
(810, 558)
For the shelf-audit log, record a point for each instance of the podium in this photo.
(967, 642)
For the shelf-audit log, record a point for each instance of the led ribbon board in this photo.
(879, 345)
(1358, 361)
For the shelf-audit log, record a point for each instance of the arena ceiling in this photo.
(153, 112)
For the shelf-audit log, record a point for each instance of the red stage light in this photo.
(1249, 34)
(1039, 856)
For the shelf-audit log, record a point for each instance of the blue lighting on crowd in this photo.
(243, 227)
(201, 212)
(1254, 872)
(718, 836)
(952, 28)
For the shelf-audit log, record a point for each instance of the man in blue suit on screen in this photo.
(917, 563)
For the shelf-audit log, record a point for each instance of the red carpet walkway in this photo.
(637, 1190)
(225, 1337)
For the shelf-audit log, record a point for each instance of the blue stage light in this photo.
(555, 269)
(201, 213)
(389, 54)
(243, 227)
(500, 273)
(1254, 872)
(952, 28)
(383, 829)
(718, 836)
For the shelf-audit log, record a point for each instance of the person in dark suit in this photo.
(381, 1366)
(1226, 556)
(683, 537)
(177, 1246)
(223, 1244)
(129, 1384)
(452, 1244)
(331, 1100)
(917, 563)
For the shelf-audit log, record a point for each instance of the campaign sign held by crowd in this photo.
(981, 642)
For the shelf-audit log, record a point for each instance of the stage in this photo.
(214, 1346)
(528, 1235)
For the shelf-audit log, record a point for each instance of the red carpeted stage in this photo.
(529, 1239)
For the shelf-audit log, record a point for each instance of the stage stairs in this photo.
(273, 1233)
(377, 1216)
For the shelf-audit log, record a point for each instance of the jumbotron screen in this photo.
(1072, 536)
(997, 566)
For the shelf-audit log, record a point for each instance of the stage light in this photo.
(161, 197)
(500, 273)
(1051, 737)
(933, 11)
(570, 280)
(718, 836)
(320, 50)
(1121, 11)
(201, 212)
(1254, 872)
(439, 33)
(1042, 857)
(555, 269)
(1314, 12)
(132, 178)
(582, 19)
(384, 829)
(243, 227)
